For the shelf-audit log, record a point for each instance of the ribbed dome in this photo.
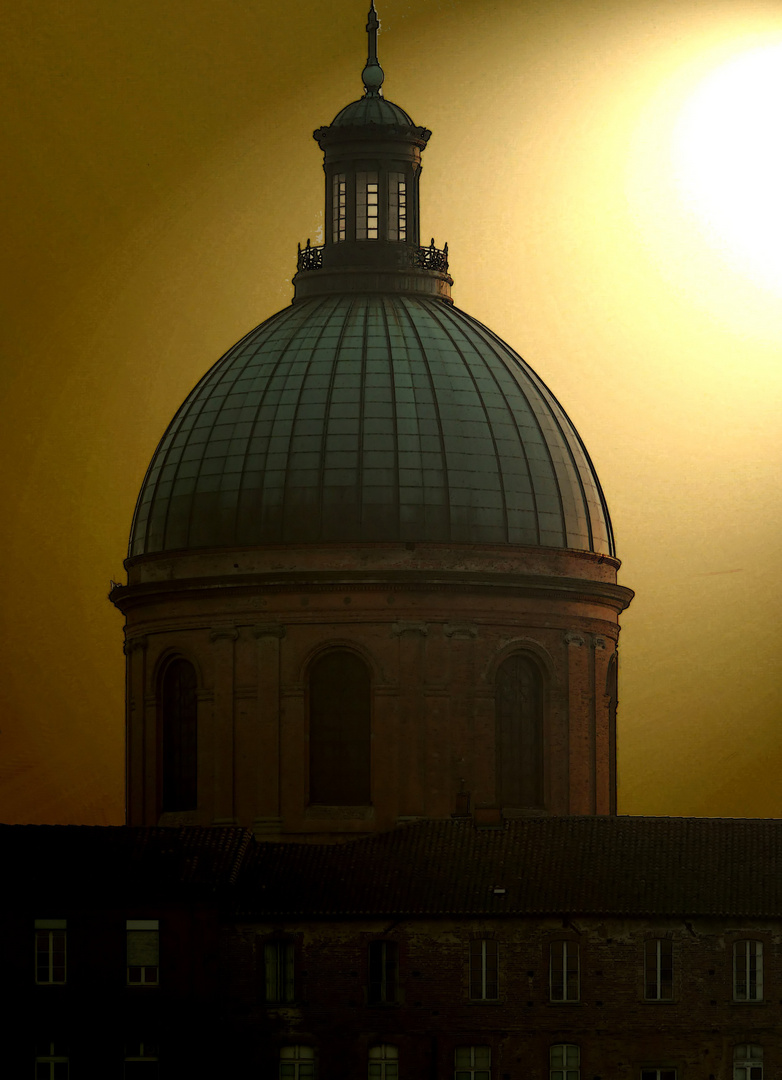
(370, 418)
(371, 110)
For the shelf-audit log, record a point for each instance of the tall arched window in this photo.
(339, 696)
(179, 709)
(519, 704)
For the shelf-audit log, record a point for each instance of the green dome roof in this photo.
(371, 110)
(370, 418)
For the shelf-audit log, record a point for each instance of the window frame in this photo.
(386, 952)
(751, 945)
(568, 947)
(302, 1060)
(483, 955)
(744, 1059)
(278, 965)
(50, 927)
(564, 1070)
(385, 1063)
(51, 1059)
(142, 1052)
(149, 974)
(472, 1070)
(660, 945)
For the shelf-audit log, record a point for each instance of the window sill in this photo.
(486, 1001)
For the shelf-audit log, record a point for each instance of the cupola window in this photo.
(397, 206)
(179, 705)
(339, 701)
(338, 207)
(519, 706)
(366, 206)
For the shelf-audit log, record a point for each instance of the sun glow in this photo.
(728, 162)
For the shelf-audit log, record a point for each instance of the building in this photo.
(371, 635)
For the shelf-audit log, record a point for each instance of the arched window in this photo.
(519, 705)
(339, 697)
(179, 708)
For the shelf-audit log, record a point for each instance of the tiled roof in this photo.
(61, 860)
(570, 865)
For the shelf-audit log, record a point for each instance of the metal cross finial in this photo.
(372, 74)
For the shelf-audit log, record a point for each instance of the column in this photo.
(136, 738)
(412, 740)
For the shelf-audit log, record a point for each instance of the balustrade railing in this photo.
(427, 258)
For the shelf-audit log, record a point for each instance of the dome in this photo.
(371, 110)
(378, 418)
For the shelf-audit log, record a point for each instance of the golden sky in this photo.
(606, 174)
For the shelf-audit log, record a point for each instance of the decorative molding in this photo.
(218, 632)
(572, 637)
(400, 628)
(134, 643)
(600, 642)
(269, 630)
(460, 630)
(266, 826)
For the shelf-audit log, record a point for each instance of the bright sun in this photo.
(728, 161)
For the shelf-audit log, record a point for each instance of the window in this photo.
(748, 1062)
(748, 971)
(397, 206)
(141, 1061)
(563, 971)
(338, 207)
(297, 1063)
(483, 969)
(366, 206)
(383, 972)
(658, 1074)
(658, 969)
(50, 951)
(564, 1062)
(179, 707)
(383, 1062)
(339, 699)
(278, 971)
(472, 1063)
(143, 951)
(519, 719)
(51, 1061)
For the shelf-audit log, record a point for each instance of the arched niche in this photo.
(178, 712)
(519, 711)
(339, 695)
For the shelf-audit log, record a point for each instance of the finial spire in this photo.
(372, 74)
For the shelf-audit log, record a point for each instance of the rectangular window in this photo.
(658, 969)
(748, 971)
(563, 971)
(383, 1063)
(483, 970)
(278, 971)
(141, 1061)
(366, 205)
(50, 951)
(748, 1062)
(383, 986)
(143, 944)
(338, 207)
(51, 1061)
(564, 1062)
(472, 1063)
(297, 1063)
(397, 206)
(658, 1074)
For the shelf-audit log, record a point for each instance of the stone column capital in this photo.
(400, 628)
(269, 630)
(218, 632)
(572, 637)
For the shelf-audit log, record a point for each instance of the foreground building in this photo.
(371, 636)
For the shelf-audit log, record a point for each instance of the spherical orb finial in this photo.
(373, 76)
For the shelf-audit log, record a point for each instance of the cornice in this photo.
(617, 597)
